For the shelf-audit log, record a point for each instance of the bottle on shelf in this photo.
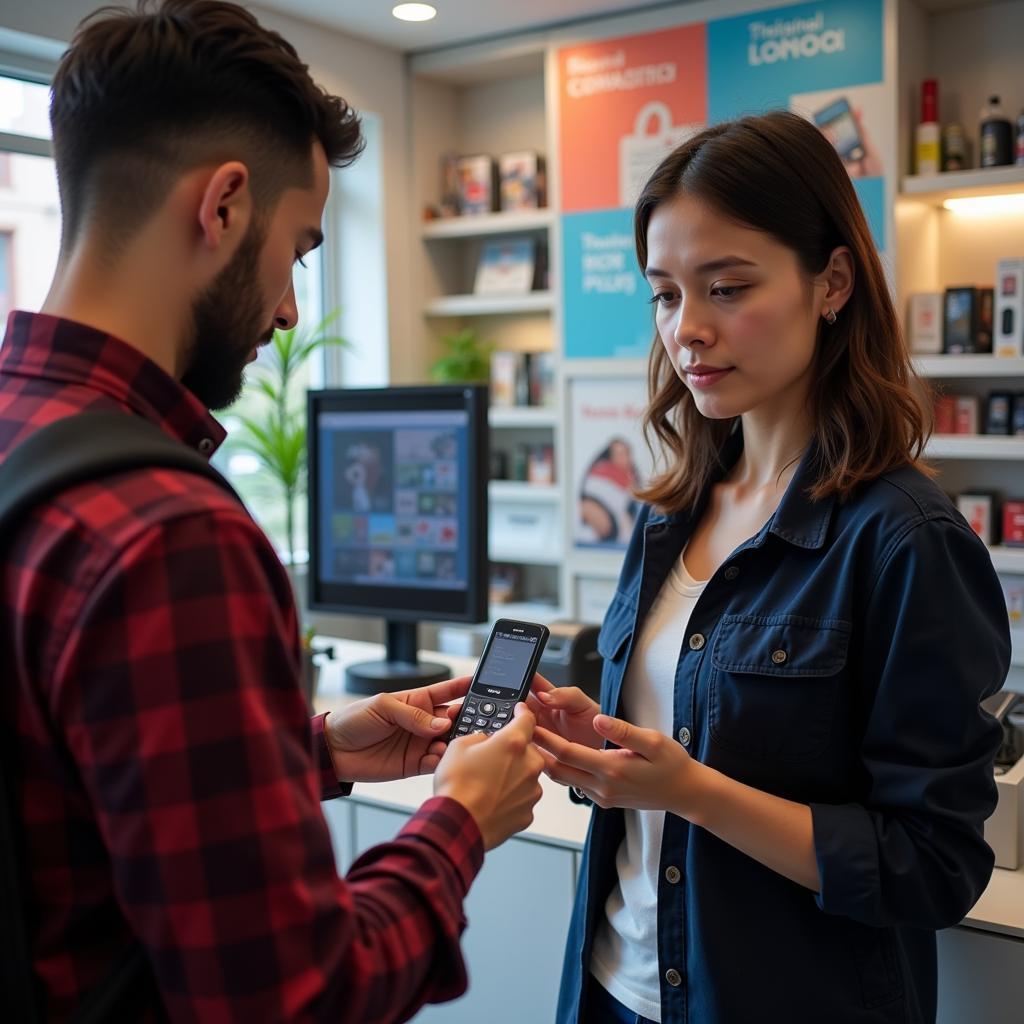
(954, 148)
(996, 135)
(927, 137)
(1019, 146)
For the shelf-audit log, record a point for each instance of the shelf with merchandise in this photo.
(523, 490)
(974, 446)
(506, 222)
(1006, 558)
(980, 366)
(979, 181)
(521, 417)
(490, 305)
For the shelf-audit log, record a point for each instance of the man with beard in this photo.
(164, 776)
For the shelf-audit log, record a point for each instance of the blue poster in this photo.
(606, 313)
(758, 61)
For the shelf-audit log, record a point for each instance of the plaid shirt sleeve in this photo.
(175, 689)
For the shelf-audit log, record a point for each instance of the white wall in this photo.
(370, 77)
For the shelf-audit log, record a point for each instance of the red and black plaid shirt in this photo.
(163, 758)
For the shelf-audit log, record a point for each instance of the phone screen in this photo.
(504, 669)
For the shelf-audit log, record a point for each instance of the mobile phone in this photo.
(838, 120)
(502, 677)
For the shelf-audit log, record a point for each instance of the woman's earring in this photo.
(830, 316)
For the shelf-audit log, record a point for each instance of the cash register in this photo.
(571, 657)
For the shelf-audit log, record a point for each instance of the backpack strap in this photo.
(74, 450)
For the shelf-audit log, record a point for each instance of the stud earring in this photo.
(830, 317)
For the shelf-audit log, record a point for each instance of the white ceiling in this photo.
(457, 21)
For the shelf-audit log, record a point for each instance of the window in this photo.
(29, 203)
(253, 480)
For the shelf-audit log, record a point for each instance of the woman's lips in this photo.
(704, 377)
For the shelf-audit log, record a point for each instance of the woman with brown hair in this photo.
(791, 796)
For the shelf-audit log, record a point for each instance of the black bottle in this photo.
(996, 135)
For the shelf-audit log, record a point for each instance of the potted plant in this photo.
(274, 431)
(468, 359)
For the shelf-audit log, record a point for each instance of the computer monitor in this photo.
(398, 516)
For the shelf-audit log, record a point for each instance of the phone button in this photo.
(495, 726)
(470, 709)
(505, 707)
(501, 715)
(488, 708)
(482, 723)
(468, 719)
(463, 729)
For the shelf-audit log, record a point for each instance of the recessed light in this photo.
(413, 12)
(987, 205)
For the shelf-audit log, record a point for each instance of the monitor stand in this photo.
(400, 670)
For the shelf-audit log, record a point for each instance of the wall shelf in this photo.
(488, 224)
(1007, 559)
(519, 556)
(522, 416)
(970, 446)
(969, 366)
(983, 181)
(490, 305)
(519, 490)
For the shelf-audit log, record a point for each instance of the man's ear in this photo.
(225, 207)
(838, 278)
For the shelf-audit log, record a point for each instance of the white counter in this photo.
(559, 821)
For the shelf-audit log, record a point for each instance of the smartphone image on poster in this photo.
(838, 121)
(502, 678)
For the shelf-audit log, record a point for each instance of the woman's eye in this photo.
(728, 291)
(299, 259)
(661, 298)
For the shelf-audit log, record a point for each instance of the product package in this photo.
(925, 322)
(542, 378)
(1009, 308)
(521, 178)
(477, 184)
(1013, 523)
(968, 414)
(507, 267)
(945, 414)
(507, 370)
(998, 413)
(980, 509)
(967, 321)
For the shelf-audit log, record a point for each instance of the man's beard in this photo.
(227, 324)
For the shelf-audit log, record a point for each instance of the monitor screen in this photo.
(398, 502)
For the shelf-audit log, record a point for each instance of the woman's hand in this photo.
(649, 771)
(565, 710)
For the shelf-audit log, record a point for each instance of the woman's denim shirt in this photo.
(836, 659)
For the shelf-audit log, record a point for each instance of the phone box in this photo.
(998, 413)
(960, 320)
(979, 509)
(968, 414)
(477, 184)
(1013, 523)
(983, 328)
(1004, 831)
(521, 177)
(1008, 313)
(945, 414)
(925, 323)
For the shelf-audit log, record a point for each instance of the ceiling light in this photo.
(413, 12)
(987, 205)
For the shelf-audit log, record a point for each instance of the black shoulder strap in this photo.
(73, 450)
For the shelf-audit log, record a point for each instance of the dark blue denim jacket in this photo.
(837, 659)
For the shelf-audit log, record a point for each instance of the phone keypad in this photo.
(487, 716)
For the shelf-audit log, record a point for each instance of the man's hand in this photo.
(495, 777)
(393, 735)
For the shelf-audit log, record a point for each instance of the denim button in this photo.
(673, 977)
(731, 573)
(696, 641)
(684, 736)
(673, 874)
(205, 446)
(779, 657)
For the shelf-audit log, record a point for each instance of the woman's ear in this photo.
(838, 278)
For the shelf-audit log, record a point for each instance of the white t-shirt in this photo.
(625, 953)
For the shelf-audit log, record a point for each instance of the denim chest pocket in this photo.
(612, 641)
(774, 684)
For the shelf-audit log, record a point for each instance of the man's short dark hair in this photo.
(144, 95)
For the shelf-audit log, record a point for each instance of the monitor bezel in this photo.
(406, 604)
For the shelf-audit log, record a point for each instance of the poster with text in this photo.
(626, 103)
(609, 460)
